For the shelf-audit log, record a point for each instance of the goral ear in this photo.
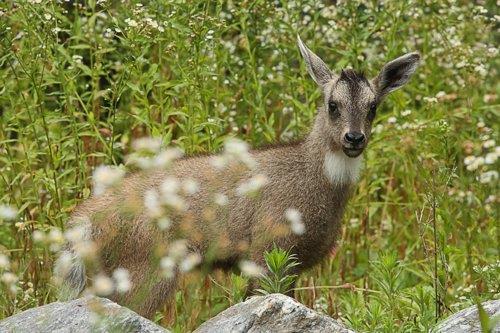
(396, 73)
(318, 70)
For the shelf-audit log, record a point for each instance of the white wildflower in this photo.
(167, 266)
(218, 162)
(178, 249)
(38, 236)
(488, 144)
(474, 165)
(235, 149)
(469, 160)
(147, 144)
(440, 94)
(103, 285)
(9, 278)
(488, 176)
(164, 223)
(295, 218)
(220, 199)
(56, 239)
(490, 158)
(481, 69)
(4, 262)
(169, 185)
(47, 16)
(165, 158)
(250, 268)
(122, 280)
(189, 262)
(64, 265)
(152, 203)
(131, 23)
(7, 212)
(253, 185)
(77, 59)
(406, 113)
(76, 234)
(85, 249)
(105, 177)
(190, 186)
(392, 120)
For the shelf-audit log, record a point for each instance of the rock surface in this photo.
(86, 314)
(271, 313)
(467, 320)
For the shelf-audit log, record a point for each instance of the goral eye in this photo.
(372, 111)
(333, 108)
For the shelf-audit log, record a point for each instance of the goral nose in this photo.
(354, 137)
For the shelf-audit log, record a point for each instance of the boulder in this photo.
(86, 314)
(271, 313)
(467, 320)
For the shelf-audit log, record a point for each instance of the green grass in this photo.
(421, 234)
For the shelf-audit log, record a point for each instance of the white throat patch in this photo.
(340, 169)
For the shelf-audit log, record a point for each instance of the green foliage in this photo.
(81, 80)
(279, 277)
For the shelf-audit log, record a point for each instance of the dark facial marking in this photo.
(372, 111)
(333, 110)
(354, 81)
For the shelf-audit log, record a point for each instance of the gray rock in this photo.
(86, 314)
(270, 313)
(467, 320)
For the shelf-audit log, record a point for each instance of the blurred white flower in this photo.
(475, 164)
(169, 194)
(295, 218)
(469, 160)
(490, 158)
(103, 285)
(178, 249)
(152, 203)
(20, 226)
(392, 120)
(105, 177)
(164, 159)
(250, 268)
(220, 199)
(38, 236)
(252, 186)
(406, 113)
(488, 176)
(131, 23)
(488, 144)
(64, 264)
(7, 212)
(218, 162)
(76, 234)
(122, 280)
(167, 266)
(190, 186)
(481, 69)
(9, 278)
(4, 262)
(164, 223)
(77, 59)
(189, 262)
(56, 239)
(169, 186)
(235, 149)
(440, 94)
(147, 144)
